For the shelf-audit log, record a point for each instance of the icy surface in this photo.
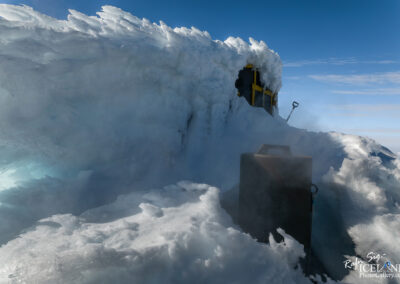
(96, 111)
(181, 235)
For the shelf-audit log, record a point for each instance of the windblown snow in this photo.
(97, 112)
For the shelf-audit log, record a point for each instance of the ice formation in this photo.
(97, 111)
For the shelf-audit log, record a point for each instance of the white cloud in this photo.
(371, 92)
(292, 78)
(364, 110)
(335, 61)
(373, 130)
(367, 107)
(302, 63)
(364, 79)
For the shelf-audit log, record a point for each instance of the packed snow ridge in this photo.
(98, 111)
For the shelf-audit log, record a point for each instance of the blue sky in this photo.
(341, 57)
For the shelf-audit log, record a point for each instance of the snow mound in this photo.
(93, 107)
(180, 235)
(360, 202)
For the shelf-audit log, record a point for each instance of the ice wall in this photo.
(93, 107)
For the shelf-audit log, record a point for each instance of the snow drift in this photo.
(96, 111)
(174, 239)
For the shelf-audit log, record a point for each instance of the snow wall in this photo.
(98, 112)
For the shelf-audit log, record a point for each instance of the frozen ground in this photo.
(97, 112)
(177, 235)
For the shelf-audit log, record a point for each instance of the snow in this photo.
(367, 194)
(96, 112)
(180, 235)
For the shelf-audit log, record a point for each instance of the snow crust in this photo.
(96, 111)
(364, 194)
(180, 235)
